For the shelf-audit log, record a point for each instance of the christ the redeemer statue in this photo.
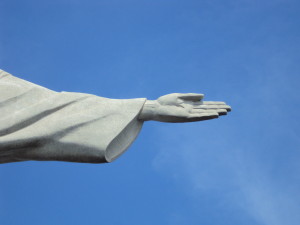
(40, 124)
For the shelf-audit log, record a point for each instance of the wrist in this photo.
(149, 110)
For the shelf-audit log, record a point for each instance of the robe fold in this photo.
(40, 124)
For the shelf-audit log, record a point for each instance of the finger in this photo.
(213, 111)
(220, 105)
(214, 103)
(202, 116)
(204, 106)
(221, 112)
(209, 103)
(191, 97)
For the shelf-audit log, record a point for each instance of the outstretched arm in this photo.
(179, 108)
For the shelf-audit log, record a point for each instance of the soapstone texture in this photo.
(40, 124)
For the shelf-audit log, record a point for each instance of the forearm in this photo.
(149, 110)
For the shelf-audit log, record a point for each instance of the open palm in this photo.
(178, 108)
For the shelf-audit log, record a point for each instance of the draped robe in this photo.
(40, 124)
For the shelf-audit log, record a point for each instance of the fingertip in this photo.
(223, 113)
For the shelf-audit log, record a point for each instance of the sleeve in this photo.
(40, 124)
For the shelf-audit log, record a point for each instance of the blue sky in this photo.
(240, 169)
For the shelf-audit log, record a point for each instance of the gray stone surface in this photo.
(40, 124)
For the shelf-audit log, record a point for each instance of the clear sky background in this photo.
(241, 169)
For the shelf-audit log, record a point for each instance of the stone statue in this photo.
(40, 124)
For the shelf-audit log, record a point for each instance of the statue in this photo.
(40, 124)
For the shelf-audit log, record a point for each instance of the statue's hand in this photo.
(178, 108)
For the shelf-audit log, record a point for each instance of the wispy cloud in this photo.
(239, 176)
(249, 159)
